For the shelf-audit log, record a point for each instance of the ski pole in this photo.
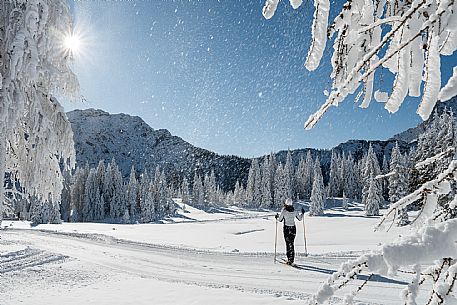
(276, 238)
(304, 234)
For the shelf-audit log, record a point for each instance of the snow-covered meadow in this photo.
(194, 258)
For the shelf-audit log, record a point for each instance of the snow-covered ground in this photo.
(202, 258)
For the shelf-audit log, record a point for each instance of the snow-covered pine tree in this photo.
(348, 175)
(65, 205)
(101, 170)
(126, 216)
(279, 186)
(185, 193)
(398, 182)
(438, 138)
(108, 189)
(132, 194)
(266, 183)
(197, 191)
(373, 198)
(316, 206)
(371, 168)
(146, 200)
(300, 178)
(345, 202)
(161, 204)
(36, 134)
(117, 203)
(253, 194)
(289, 176)
(35, 211)
(206, 190)
(238, 194)
(91, 196)
(308, 174)
(385, 182)
(334, 183)
(77, 193)
(214, 199)
(272, 168)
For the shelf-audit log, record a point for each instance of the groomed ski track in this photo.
(245, 272)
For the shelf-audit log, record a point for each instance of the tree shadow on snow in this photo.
(374, 277)
(330, 214)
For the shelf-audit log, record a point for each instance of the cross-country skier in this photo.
(288, 215)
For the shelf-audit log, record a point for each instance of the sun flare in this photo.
(72, 43)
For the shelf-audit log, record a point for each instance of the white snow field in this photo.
(202, 258)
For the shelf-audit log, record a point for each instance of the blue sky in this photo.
(219, 75)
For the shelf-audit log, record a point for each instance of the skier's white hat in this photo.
(288, 202)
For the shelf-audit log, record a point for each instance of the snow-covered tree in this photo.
(349, 177)
(185, 192)
(160, 194)
(334, 184)
(132, 194)
(437, 139)
(289, 176)
(373, 197)
(238, 194)
(407, 39)
(91, 196)
(272, 169)
(280, 189)
(146, 200)
(398, 182)
(36, 134)
(65, 205)
(370, 168)
(345, 202)
(197, 191)
(385, 182)
(77, 193)
(300, 178)
(316, 206)
(266, 184)
(253, 191)
(117, 204)
(308, 174)
(210, 189)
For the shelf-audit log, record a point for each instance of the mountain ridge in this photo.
(99, 135)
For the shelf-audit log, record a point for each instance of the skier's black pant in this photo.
(289, 236)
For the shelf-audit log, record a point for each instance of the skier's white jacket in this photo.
(289, 217)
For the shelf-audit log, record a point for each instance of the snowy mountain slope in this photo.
(99, 135)
(410, 135)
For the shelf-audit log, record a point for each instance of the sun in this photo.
(72, 43)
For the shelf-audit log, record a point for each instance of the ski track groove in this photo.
(27, 258)
(204, 268)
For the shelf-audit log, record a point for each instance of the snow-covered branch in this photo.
(435, 158)
(365, 43)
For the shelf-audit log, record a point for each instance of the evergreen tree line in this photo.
(100, 194)
(404, 173)
(373, 182)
